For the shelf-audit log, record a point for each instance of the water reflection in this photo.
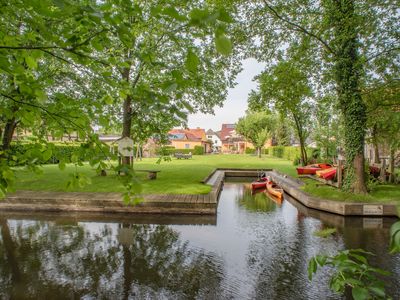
(40, 260)
(255, 200)
(256, 250)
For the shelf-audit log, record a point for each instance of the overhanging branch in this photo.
(299, 27)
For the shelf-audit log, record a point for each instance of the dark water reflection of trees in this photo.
(40, 260)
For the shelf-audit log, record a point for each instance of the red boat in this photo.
(259, 184)
(311, 169)
(327, 174)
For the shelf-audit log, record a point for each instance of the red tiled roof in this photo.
(188, 134)
(191, 134)
(226, 131)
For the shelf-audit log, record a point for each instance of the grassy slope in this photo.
(176, 176)
(379, 193)
(184, 176)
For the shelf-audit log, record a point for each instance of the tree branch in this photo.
(299, 27)
(382, 52)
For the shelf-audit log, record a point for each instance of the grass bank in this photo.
(379, 193)
(176, 176)
(184, 177)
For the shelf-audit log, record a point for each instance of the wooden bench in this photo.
(182, 155)
(152, 173)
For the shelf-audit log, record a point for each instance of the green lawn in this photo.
(184, 177)
(378, 193)
(176, 177)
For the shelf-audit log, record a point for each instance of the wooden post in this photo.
(383, 171)
(339, 173)
(391, 166)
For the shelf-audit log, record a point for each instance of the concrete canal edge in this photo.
(36, 201)
(293, 188)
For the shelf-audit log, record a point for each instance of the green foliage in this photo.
(336, 43)
(61, 78)
(282, 132)
(256, 127)
(395, 238)
(327, 130)
(285, 86)
(51, 155)
(289, 152)
(250, 151)
(198, 150)
(352, 270)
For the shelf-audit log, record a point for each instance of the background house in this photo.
(232, 142)
(189, 138)
(215, 139)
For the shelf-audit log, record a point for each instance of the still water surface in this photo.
(253, 249)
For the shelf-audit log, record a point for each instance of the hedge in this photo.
(168, 150)
(60, 151)
(292, 153)
(254, 151)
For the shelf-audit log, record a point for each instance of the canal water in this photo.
(255, 248)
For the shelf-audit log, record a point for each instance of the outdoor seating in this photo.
(180, 155)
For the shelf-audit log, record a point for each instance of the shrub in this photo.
(198, 150)
(292, 153)
(59, 151)
(250, 151)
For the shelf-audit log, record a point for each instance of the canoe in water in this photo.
(274, 189)
(258, 184)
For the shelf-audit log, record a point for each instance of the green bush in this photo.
(169, 150)
(198, 150)
(292, 153)
(165, 150)
(250, 151)
(60, 151)
(278, 151)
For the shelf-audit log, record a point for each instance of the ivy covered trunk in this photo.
(347, 76)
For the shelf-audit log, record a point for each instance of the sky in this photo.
(236, 103)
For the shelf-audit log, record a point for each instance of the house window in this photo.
(215, 142)
(187, 146)
(209, 136)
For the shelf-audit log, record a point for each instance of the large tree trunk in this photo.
(127, 115)
(8, 134)
(347, 76)
(375, 144)
(300, 134)
(259, 152)
(304, 158)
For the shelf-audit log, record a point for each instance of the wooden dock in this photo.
(108, 203)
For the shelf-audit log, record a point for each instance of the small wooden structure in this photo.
(152, 173)
(125, 149)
